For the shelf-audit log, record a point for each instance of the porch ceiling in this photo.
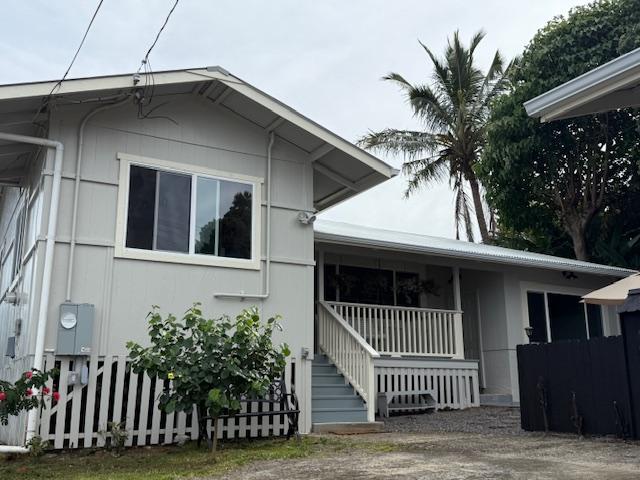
(341, 169)
(348, 234)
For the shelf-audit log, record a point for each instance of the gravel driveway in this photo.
(481, 443)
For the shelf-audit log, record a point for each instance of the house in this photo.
(128, 191)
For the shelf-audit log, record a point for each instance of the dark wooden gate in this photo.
(582, 385)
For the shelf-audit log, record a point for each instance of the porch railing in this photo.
(405, 330)
(350, 353)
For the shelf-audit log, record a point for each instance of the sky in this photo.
(324, 58)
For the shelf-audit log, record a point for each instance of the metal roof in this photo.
(341, 169)
(356, 235)
(615, 84)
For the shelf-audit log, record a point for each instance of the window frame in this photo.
(192, 258)
(545, 290)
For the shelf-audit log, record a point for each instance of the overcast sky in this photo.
(323, 58)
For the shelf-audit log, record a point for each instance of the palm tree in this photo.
(454, 110)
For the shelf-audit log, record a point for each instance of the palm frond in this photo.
(406, 142)
(423, 171)
(398, 79)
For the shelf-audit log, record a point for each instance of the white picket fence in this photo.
(394, 330)
(115, 394)
(454, 383)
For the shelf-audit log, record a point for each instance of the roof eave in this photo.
(448, 253)
(605, 79)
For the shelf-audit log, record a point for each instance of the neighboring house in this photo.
(193, 186)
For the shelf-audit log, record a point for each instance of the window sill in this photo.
(186, 259)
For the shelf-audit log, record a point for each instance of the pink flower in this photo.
(28, 374)
(3, 396)
(29, 392)
(56, 396)
(46, 390)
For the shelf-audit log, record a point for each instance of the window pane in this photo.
(174, 209)
(141, 208)
(206, 216)
(594, 315)
(566, 315)
(235, 221)
(330, 283)
(537, 317)
(408, 289)
(365, 285)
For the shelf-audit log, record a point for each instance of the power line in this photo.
(166, 20)
(84, 37)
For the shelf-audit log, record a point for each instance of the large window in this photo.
(371, 286)
(192, 217)
(558, 316)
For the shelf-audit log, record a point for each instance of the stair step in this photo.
(324, 368)
(336, 401)
(348, 428)
(327, 379)
(331, 390)
(332, 415)
(320, 359)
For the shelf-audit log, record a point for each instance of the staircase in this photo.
(332, 399)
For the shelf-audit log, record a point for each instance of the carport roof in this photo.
(341, 169)
(348, 234)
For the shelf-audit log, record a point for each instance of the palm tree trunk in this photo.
(478, 207)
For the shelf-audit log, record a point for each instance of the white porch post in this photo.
(320, 274)
(457, 299)
(457, 317)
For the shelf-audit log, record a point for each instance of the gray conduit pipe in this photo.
(76, 190)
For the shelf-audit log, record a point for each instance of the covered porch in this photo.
(393, 324)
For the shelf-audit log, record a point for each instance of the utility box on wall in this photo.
(75, 329)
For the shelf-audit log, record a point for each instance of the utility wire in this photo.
(59, 82)
(145, 96)
(166, 20)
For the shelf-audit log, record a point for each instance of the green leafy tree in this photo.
(210, 363)
(564, 183)
(453, 109)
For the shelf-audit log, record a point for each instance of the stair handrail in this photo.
(350, 353)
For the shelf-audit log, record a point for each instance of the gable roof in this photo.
(614, 85)
(348, 234)
(341, 169)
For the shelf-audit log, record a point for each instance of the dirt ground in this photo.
(472, 445)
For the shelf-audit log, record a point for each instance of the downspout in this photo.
(267, 270)
(76, 190)
(41, 327)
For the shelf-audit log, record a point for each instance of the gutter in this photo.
(41, 327)
(606, 78)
